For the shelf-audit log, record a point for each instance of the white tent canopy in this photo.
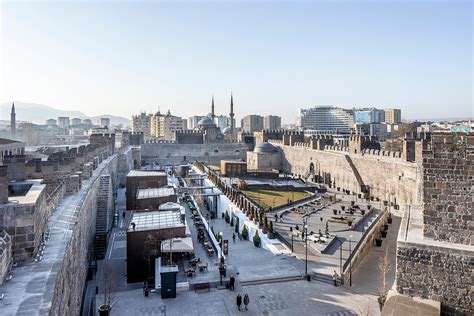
(177, 245)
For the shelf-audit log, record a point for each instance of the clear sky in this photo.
(123, 57)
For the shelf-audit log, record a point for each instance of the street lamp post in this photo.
(350, 262)
(305, 230)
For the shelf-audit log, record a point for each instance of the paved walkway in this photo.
(279, 299)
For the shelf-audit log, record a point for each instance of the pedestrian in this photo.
(239, 301)
(123, 214)
(246, 301)
(233, 237)
(334, 277)
(232, 283)
(276, 217)
(281, 217)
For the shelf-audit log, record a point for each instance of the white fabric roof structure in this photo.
(177, 245)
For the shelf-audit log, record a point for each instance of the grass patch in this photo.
(273, 198)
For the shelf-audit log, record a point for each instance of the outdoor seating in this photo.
(210, 251)
(190, 272)
(202, 267)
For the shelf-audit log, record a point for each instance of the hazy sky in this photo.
(123, 57)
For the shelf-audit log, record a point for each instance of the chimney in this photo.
(3, 185)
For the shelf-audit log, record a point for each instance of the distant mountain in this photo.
(39, 113)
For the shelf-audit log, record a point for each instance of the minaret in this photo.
(13, 122)
(212, 109)
(231, 114)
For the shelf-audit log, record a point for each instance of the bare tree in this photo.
(383, 267)
(109, 287)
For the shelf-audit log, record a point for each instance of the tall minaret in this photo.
(231, 114)
(13, 122)
(212, 109)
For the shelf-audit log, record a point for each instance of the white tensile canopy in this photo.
(177, 245)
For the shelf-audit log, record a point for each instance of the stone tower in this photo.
(13, 122)
(231, 114)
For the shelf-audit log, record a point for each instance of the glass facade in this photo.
(326, 118)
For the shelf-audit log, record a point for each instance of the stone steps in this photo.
(272, 280)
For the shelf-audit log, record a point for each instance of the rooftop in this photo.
(155, 192)
(146, 173)
(27, 197)
(6, 141)
(155, 220)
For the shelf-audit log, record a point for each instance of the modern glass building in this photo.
(326, 118)
(369, 115)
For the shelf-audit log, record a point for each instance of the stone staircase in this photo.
(272, 280)
(320, 277)
(362, 185)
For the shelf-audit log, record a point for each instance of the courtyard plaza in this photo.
(270, 280)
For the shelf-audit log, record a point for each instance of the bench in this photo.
(202, 286)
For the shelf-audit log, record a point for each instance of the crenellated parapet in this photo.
(382, 153)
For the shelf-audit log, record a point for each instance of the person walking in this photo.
(232, 283)
(334, 277)
(246, 301)
(233, 237)
(239, 301)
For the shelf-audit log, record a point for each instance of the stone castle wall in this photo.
(67, 298)
(448, 188)
(389, 178)
(170, 153)
(443, 274)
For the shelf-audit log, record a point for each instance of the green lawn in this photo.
(267, 198)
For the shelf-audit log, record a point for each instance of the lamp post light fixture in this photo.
(350, 262)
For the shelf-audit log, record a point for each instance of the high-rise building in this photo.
(142, 124)
(369, 115)
(393, 116)
(105, 122)
(76, 121)
(51, 122)
(271, 122)
(163, 126)
(222, 121)
(63, 122)
(252, 123)
(326, 118)
(13, 122)
(194, 120)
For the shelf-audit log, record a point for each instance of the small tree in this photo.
(109, 288)
(245, 232)
(256, 239)
(383, 267)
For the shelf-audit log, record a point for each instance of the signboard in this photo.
(226, 247)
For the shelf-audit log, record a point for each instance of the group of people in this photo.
(246, 301)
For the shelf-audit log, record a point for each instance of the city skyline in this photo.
(276, 59)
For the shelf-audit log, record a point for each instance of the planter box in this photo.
(378, 242)
(383, 233)
(389, 220)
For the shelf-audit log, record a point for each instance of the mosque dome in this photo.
(226, 130)
(207, 121)
(265, 148)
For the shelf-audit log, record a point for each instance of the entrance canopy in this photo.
(177, 245)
